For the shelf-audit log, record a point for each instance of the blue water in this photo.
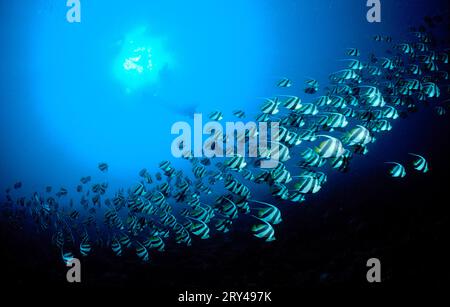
(65, 106)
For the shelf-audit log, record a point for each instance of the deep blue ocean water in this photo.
(64, 109)
(66, 105)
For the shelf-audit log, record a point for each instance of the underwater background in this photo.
(66, 104)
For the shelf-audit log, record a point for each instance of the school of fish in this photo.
(172, 207)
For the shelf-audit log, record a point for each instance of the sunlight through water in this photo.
(141, 60)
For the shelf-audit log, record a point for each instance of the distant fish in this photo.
(223, 225)
(312, 86)
(85, 180)
(142, 252)
(292, 103)
(239, 114)
(216, 116)
(440, 110)
(103, 167)
(116, 247)
(330, 148)
(358, 136)
(198, 228)
(158, 176)
(155, 242)
(420, 164)
(285, 82)
(67, 256)
(268, 213)
(398, 171)
(85, 247)
(307, 184)
(62, 192)
(212, 195)
(380, 38)
(264, 231)
(236, 163)
(270, 106)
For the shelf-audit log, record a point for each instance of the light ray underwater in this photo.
(209, 145)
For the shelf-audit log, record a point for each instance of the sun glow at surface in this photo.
(141, 60)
